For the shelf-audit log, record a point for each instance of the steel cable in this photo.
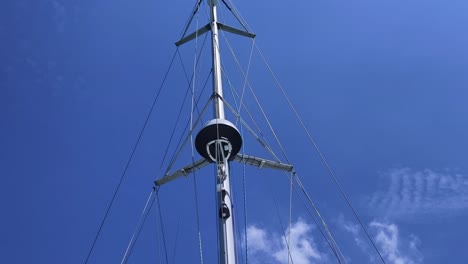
(130, 158)
(280, 145)
(330, 171)
(193, 104)
(136, 233)
(162, 226)
(183, 102)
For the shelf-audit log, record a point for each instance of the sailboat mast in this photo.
(226, 229)
(217, 82)
(219, 141)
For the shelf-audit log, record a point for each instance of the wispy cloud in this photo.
(418, 192)
(395, 248)
(269, 247)
(354, 229)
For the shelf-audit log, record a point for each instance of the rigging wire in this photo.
(246, 76)
(136, 233)
(130, 158)
(195, 10)
(290, 258)
(284, 152)
(174, 129)
(189, 81)
(230, 107)
(244, 178)
(280, 145)
(314, 143)
(198, 216)
(233, 11)
(258, 102)
(232, 183)
(183, 102)
(233, 189)
(231, 88)
(263, 141)
(269, 124)
(315, 221)
(177, 153)
(162, 226)
(244, 187)
(235, 15)
(175, 240)
(158, 244)
(234, 222)
(264, 144)
(238, 16)
(189, 21)
(188, 121)
(334, 245)
(329, 243)
(244, 182)
(195, 63)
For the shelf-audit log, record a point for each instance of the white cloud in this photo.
(270, 247)
(419, 192)
(393, 248)
(354, 230)
(258, 239)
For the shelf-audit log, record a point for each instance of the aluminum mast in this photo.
(227, 254)
(219, 141)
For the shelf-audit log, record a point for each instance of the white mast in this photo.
(227, 254)
(219, 141)
(217, 82)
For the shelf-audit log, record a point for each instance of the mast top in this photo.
(212, 2)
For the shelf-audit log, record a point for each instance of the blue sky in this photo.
(382, 86)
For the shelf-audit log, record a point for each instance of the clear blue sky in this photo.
(382, 85)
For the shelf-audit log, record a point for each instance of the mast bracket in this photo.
(207, 28)
(261, 163)
(236, 31)
(193, 35)
(182, 172)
